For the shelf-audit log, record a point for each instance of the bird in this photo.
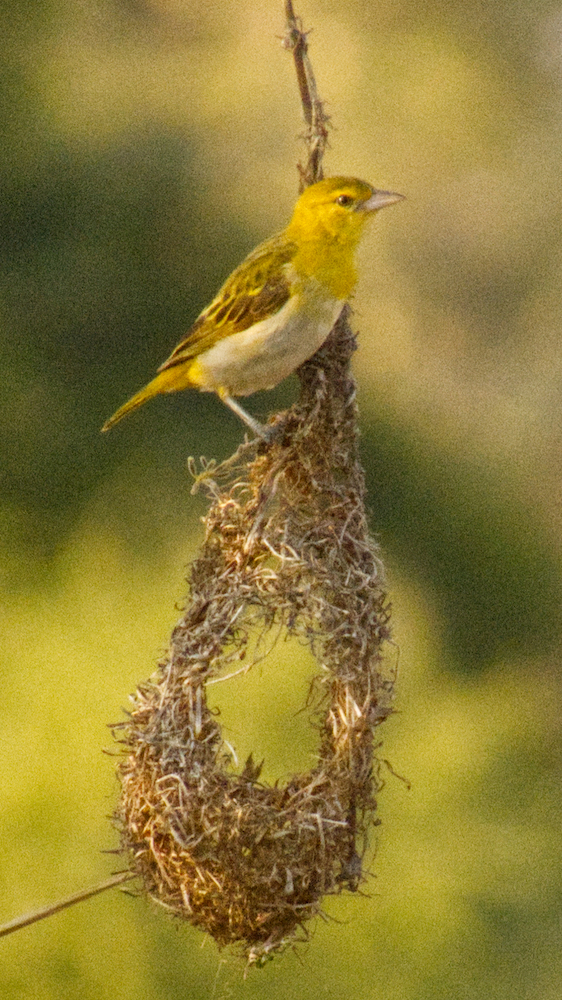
(278, 306)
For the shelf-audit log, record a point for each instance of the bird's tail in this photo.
(165, 381)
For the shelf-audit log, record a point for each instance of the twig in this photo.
(317, 120)
(48, 911)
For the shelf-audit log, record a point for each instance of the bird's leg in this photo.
(259, 430)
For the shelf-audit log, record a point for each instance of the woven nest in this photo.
(286, 546)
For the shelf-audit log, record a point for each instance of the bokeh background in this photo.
(147, 145)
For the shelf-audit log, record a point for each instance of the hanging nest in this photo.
(286, 547)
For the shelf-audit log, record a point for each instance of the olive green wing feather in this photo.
(258, 288)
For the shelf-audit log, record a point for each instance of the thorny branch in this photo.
(316, 137)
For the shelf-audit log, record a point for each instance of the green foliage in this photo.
(470, 539)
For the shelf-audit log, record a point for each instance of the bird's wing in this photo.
(258, 288)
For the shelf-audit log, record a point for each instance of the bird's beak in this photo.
(380, 199)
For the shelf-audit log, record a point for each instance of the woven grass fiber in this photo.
(286, 548)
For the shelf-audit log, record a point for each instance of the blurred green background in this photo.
(147, 145)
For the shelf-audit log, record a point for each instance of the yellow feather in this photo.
(169, 380)
(278, 306)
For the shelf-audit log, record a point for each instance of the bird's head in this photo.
(337, 208)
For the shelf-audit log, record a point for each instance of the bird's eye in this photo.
(344, 199)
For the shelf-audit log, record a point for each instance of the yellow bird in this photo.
(278, 307)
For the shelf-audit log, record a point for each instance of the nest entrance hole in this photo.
(264, 711)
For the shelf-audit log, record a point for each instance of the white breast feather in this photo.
(266, 353)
